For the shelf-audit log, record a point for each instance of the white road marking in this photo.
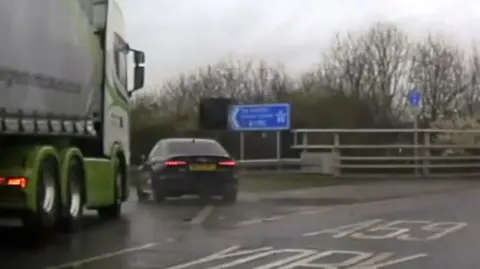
(202, 215)
(345, 230)
(78, 263)
(358, 260)
(405, 230)
(381, 260)
(223, 254)
(300, 253)
(300, 258)
(314, 211)
(260, 220)
(279, 217)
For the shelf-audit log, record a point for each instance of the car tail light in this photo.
(175, 163)
(227, 163)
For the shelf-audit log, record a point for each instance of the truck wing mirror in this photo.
(138, 57)
(139, 79)
(139, 70)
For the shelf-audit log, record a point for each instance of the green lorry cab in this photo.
(64, 110)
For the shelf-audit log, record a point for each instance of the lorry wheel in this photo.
(73, 213)
(48, 199)
(114, 210)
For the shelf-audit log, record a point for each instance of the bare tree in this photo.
(388, 50)
(469, 103)
(372, 66)
(440, 70)
(361, 82)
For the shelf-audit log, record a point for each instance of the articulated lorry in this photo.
(64, 110)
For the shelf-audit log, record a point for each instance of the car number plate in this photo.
(203, 167)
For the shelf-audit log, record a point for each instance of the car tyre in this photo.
(230, 195)
(159, 194)
(142, 195)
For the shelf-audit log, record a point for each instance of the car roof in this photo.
(192, 139)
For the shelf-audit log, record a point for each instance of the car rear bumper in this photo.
(194, 184)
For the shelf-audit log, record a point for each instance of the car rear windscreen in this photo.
(195, 148)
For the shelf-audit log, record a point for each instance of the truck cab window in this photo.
(121, 58)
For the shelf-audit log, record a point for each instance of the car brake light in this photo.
(175, 163)
(228, 163)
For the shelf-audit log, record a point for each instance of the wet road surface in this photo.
(425, 230)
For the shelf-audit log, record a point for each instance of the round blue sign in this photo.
(415, 98)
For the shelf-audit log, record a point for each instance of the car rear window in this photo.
(195, 148)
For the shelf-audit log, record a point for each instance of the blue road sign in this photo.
(262, 117)
(416, 99)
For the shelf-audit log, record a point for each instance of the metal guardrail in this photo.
(257, 163)
(427, 156)
(272, 166)
(269, 166)
(267, 162)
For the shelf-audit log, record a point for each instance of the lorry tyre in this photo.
(48, 199)
(114, 210)
(73, 211)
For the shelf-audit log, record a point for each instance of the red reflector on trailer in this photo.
(18, 181)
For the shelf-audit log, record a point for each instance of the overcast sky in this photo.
(181, 35)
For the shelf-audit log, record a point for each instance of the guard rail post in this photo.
(336, 154)
(426, 154)
(304, 141)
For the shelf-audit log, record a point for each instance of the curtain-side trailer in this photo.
(64, 110)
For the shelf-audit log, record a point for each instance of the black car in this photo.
(191, 166)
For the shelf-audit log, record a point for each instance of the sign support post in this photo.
(415, 142)
(416, 104)
(242, 146)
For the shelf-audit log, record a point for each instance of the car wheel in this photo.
(159, 193)
(230, 195)
(205, 197)
(142, 195)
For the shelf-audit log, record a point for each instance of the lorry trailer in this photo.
(64, 110)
